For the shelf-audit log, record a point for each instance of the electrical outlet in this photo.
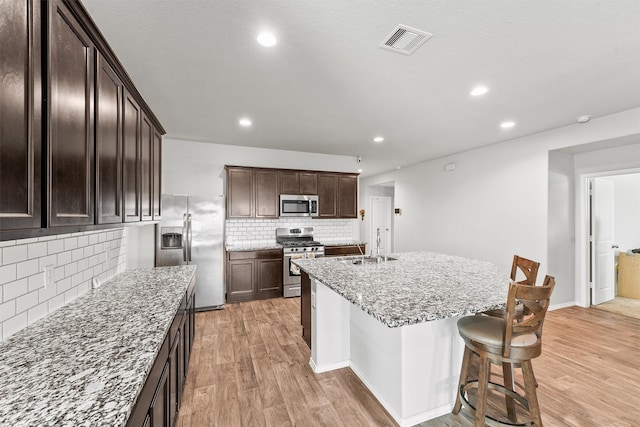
(48, 275)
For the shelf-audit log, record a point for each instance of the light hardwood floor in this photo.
(250, 368)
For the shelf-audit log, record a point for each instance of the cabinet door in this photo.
(175, 375)
(266, 187)
(130, 159)
(269, 275)
(239, 193)
(71, 126)
(159, 409)
(20, 112)
(109, 92)
(308, 183)
(240, 280)
(157, 175)
(327, 195)
(289, 182)
(348, 196)
(146, 170)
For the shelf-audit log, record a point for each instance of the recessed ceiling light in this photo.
(267, 39)
(479, 90)
(244, 122)
(359, 170)
(583, 119)
(507, 125)
(398, 167)
(378, 139)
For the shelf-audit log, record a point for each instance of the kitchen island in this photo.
(394, 324)
(87, 362)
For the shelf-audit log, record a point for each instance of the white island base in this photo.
(412, 370)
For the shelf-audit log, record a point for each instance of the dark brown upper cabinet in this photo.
(20, 115)
(295, 182)
(308, 183)
(327, 195)
(252, 193)
(266, 190)
(71, 119)
(131, 154)
(157, 175)
(347, 196)
(109, 104)
(240, 193)
(146, 169)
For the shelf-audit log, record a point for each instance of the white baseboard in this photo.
(562, 305)
(326, 368)
(403, 422)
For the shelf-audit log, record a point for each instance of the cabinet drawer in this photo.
(263, 254)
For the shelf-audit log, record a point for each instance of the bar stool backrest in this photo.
(536, 300)
(527, 267)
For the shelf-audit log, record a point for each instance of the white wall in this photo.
(197, 168)
(626, 220)
(495, 204)
(76, 259)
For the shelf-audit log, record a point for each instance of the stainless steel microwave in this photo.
(296, 205)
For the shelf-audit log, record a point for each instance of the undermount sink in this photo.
(373, 260)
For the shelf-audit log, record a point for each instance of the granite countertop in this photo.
(417, 287)
(236, 247)
(86, 363)
(343, 242)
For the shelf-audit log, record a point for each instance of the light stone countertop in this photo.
(239, 247)
(85, 363)
(417, 287)
(343, 242)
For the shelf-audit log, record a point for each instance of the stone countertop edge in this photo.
(342, 242)
(418, 287)
(86, 362)
(242, 247)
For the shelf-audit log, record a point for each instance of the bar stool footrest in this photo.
(489, 420)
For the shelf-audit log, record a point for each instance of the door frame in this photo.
(583, 257)
(371, 233)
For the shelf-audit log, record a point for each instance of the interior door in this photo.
(602, 256)
(381, 219)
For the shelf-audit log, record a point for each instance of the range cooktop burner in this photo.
(291, 244)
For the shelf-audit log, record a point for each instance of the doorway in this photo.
(611, 205)
(381, 225)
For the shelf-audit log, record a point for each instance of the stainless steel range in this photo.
(297, 243)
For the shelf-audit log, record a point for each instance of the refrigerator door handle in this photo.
(190, 237)
(185, 242)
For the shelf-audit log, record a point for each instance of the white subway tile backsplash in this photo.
(70, 243)
(55, 246)
(13, 290)
(37, 312)
(36, 282)
(7, 310)
(14, 254)
(14, 324)
(26, 268)
(76, 259)
(263, 231)
(64, 258)
(56, 302)
(37, 250)
(25, 302)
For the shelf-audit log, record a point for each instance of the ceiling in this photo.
(326, 86)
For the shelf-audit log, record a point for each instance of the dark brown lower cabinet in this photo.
(159, 409)
(159, 401)
(305, 307)
(253, 275)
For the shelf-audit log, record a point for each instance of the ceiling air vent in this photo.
(404, 39)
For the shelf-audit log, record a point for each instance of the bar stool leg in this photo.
(483, 383)
(507, 375)
(530, 390)
(464, 373)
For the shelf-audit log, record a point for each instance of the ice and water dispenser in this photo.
(171, 238)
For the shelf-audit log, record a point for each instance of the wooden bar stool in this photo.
(523, 271)
(509, 343)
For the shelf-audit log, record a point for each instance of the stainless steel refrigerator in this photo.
(191, 232)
